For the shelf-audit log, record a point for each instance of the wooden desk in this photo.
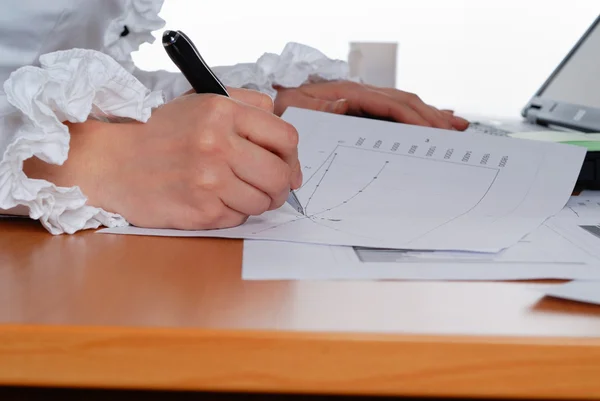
(94, 310)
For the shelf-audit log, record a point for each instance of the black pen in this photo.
(186, 57)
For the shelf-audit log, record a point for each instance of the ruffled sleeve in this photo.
(68, 86)
(127, 33)
(296, 65)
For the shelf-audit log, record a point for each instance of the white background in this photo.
(475, 56)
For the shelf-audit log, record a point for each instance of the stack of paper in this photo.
(392, 201)
(580, 291)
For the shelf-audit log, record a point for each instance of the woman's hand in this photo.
(345, 97)
(200, 162)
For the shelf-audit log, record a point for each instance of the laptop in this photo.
(566, 108)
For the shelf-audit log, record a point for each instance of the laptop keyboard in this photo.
(487, 129)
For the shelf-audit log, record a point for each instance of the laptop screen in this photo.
(577, 81)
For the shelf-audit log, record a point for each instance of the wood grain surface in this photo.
(95, 310)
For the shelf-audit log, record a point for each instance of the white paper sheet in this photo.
(579, 222)
(584, 233)
(544, 254)
(582, 207)
(581, 291)
(380, 184)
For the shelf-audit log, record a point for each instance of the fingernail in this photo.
(339, 105)
(460, 120)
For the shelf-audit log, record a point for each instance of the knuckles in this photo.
(215, 110)
(213, 125)
(218, 106)
(209, 142)
(206, 179)
(413, 99)
(351, 85)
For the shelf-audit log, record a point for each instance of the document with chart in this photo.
(566, 246)
(543, 254)
(380, 184)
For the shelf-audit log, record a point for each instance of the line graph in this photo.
(315, 217)
(360, 191)
(350, 181)
(319, 183)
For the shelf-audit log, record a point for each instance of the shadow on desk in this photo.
(34, 394)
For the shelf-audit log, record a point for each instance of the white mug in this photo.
(374, 62)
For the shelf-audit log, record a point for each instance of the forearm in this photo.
(88, 165)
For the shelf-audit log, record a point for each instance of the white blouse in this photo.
(69, 60)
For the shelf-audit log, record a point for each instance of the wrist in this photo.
(90, 164)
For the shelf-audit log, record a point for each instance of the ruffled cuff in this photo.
(172, 84)
(298, 64)
(139, 19)
(69, 86)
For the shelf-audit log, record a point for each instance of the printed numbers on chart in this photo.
(485, 159)
(448, 154)
(396, 146)
(467, 156)
(431, 151)
(412, 149)
(360, 141)
(503, 161)
(377, 144)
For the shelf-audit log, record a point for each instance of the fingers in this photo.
(434, 117)
(242, 197)
(380, 105)
(229, 218)
(273, 134)
(457, 122)
(261, 169)
(305, 101)
(372, 101)
(444, 119)
(212, 214)
(460, 123)
(252, 98)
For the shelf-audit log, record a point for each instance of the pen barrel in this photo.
(186, 57)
